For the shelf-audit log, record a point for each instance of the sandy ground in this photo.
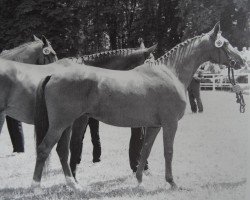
(210, 160)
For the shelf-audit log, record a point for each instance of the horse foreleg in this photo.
(168, 141)
(148, 142)
(62, 150)
(78, 131)
(63, 153)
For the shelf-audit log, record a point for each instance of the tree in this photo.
(57, 20)
(199, 16)
(89, 26)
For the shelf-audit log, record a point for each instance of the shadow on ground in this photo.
(101, 189)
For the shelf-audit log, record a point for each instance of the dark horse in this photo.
(121, 59)
(37, 52)
(152, 95)
(42, 52)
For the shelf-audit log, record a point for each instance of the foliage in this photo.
(88, 26)
(200, 16)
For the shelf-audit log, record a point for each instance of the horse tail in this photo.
(41, 120)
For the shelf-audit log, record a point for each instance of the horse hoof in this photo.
(36, 188)
(140, 185)
(147, 173)
(172, 186)
(35, 184)
(78, 188)
(73, 184)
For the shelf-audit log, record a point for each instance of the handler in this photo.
(194, 93)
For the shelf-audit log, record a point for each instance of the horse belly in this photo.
(22, 104)
(127, 111)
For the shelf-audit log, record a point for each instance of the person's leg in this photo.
(95, 138)
(76, 142)
(135, 147)
(199, 104)
(2, 118)
(16, 134)
(192, 101)
(198, 99)
(149, 139)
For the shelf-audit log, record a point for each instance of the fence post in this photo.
(213, 82)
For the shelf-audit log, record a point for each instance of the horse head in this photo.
(222, 51)
(47, 54)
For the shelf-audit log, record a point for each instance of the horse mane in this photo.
(14, 50)
(104, 54)
(169, 54)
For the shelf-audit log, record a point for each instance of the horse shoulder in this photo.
(172, 93)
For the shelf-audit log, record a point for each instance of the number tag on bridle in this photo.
(46, 51)
(219, 42)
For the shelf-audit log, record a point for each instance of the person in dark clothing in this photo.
(15, 131)
(16, 134)
(194, 93)
(95, 138)
(137, 134)
(135, 147)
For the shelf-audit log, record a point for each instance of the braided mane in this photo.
(167, 55)
(14, 50)
(103, 55)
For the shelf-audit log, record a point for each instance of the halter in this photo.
(239, 97)
(46, 53)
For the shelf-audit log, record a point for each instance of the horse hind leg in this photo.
(43, 150)
(148, 142)
(168, 141)
(63, 153)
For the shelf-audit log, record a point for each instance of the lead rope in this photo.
(239, 96)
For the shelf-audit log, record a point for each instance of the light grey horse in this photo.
(152, 95)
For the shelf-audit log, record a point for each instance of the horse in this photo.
(36, 52)
(152, 95)
(120, 59)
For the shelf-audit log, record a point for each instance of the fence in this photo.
(221, 82)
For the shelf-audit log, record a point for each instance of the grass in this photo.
(210, 160)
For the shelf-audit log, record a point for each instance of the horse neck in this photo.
(185, 58)
(27, 53)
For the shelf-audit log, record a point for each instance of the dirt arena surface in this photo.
(210, 160)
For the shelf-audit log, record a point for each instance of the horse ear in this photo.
(141, 42)
(215, 30)
(36, 38)
(152, 49)
(148, 51)
(45, 41)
